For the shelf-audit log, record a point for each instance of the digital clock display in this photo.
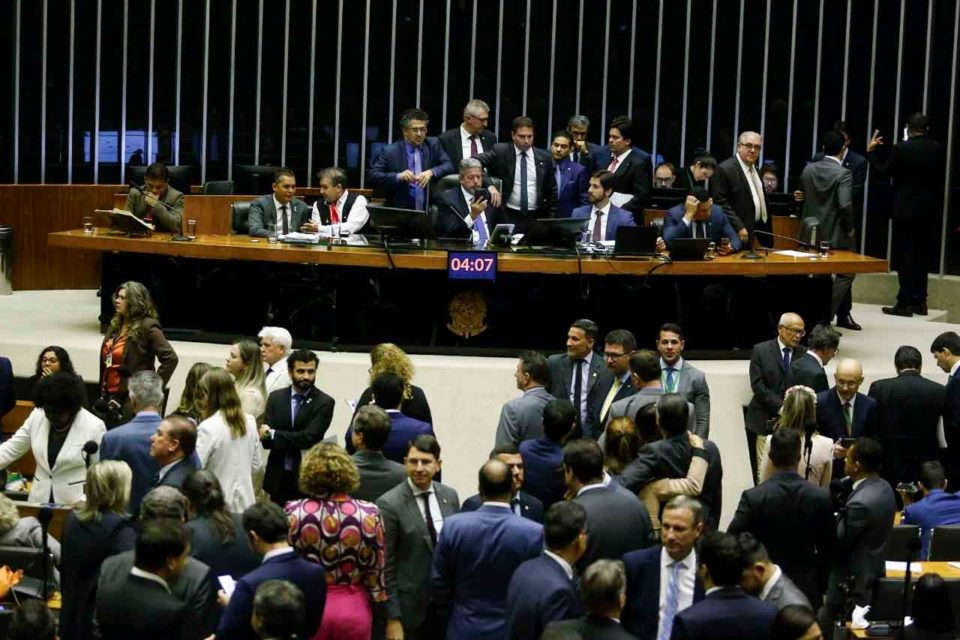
(472, 265)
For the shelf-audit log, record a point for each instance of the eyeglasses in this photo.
(417, 129)
(750, 147)
(613, 356)
(795, 331)
(478, 118)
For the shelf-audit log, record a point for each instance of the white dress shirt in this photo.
(687, 577)
(620, 159)
(275, 553)
(465, 143)
(753, 179)
(277, 375)
(289, 206)
(152, 577)
(767, 588)
(567, 569)
(604, 220)
(514, 201)
(591, 487)
(435, 513)
(165, 469)
(357, 217)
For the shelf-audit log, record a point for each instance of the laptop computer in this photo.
(635, 241)
(689, 248)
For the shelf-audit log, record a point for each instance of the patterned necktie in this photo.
(672, 601)
(524, 196)
(786, 358)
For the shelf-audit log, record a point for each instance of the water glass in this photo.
(824, 249)
(88, 224)
(711, 251)
(191, 228)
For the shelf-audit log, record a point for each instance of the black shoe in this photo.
(898, 310)
(919, 309)
(847, 322)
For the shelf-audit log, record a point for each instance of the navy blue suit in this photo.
(641, 613)
(539, 593)
(530, 506)
(618, 217)
(403, 429)
(830, 421)
(475, 557)
(935, 509)
(393, 160)
(572, 188)
(718, 226)
(308, 576)
(727, 614)
(542, 472)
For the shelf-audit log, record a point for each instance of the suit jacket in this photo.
(530, 507)
(130, 443)
(808, 372)
(693, 386)
(416, 406)
(167, 213)
(7, 398)
(500, 161)
(572, 188)
(641, 613)
(587, 161)
(857, 164)
(632, 176)
(403, 429)
(393, 160)
(233, 558)
(616, 217)
(732, 193)
(830, 420)
(451, 141)
(767, 377)
(313, 420)
(718, 227)
(139, 355)
(592, 627)
(794, 520)
(134, 607)
(179, 472)
(521, 418)
(909, 407)
(377, 475)
(452, 210)
(409, 550)
(561, 377)
(542, 470)
(263, 216)
(727, 614)
(828, 197)
(475, 557)
(617, 524)
(935, 509)
(308, 576)
(951, 409)
(862, 533)
(539, 593)
(916, 170)
(784, 593)
(66, 477)
(603, 388)
(630, 406)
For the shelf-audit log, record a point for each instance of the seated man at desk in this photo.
(339, 206)
(466, 212)
(156, 201)
(604, 217)
(279, 213)
(698, 217)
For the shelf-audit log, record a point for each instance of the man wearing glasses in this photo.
(769, 364)
(471, 138)
(738, 190)
(617, 347)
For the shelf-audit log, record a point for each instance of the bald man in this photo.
(844, 412)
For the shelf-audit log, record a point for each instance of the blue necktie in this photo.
(292, 457)
(415, 164)
(524, 199)
(479, 225)
(672, 602)
(559, 180)
(786, 358)
(670, 372)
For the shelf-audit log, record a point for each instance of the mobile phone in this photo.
(227, 583)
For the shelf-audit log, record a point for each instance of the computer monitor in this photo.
(666, 198)
(391, 222)
(251, 179)
(554, 232)
(781, 204)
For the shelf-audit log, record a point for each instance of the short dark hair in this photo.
(413, 114)
(785, 448)
(722, 556)
(792, 622)
(183, 431)
(752, 549)
(918, 123)
(563, 523)
(588, 326)
(32, 620)
(507, 448)
(388, 390)
(157, 171)
(159, 540)
(59, 392)
(558, 416)
(584, 458)
(646, 421)
(907, 357)
(932, 475)
(833, 142)
(948, 340)
(624, 125)
(706, 160)
(267, 520)
(672, 413)
(699, 193)
(563, 133)
(302, 355)
(283, 172)
(495, 479)
(868, 453)
(336, 176)
(604, 582)
(823, 337)
(280, 606)
(605, 178)
(671, 327)
(425, 443)
(932, 607)
(535, 365)
(646, 364)
(841, 126)
(373, 423)
(521, 121)
(622, 337)
(770, 167)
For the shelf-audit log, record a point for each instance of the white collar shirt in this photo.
(687, 577)
(753, 179)
(604, 220)
(465, 142)
(152, 577)
(567, 569)
(767, 588)
(514, 201)
(279, 221)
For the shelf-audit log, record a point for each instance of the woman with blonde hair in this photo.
(96, 530)
(246, 367)
(342, 534)
(799, 414)
(188, 407)
(22, 532)
(389, 358)
(227, 440)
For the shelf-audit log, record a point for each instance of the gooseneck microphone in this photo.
(89, 448)
(45, 515)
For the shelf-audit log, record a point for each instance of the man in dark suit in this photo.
(280, 213)
(477, 554)
(296, 418)
(916, 169)
(603, 591)
(792, 518)
(909, 408)
(604, 218)
(769, 364)
(544, 589)
(645, 614)
(579, 373)
(413, 516)
(528, 185)
(388, 395)
(631, 167)
(157, 202)
(467, 212)
(946, 351)
(617, 523)
(844, 412)
(618, 346)
(737, 188)
(521, 418)
(521, 503)
(582, 152)
(679, 376)
(698, 217)
(933, 507)
(173, 449)
(279, 608)
(726, 612)
(571, 176)
(857, 164)
(808, 370)
(764, 579)
(543, 457)
(266, 526)
(370, 432)
(646, 376)
(406, 168)
(471, 138)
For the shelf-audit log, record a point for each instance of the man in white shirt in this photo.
(471, 138)
(275, 344)
(738, 190)
(603, 216)
(341, 211)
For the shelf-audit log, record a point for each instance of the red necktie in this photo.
(613, 165)
(473, 147)
(334, 215)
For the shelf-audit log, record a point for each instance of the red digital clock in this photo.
(472, 265)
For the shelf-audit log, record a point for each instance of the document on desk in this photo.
(790, 253)
(915, 567)
(619, 199)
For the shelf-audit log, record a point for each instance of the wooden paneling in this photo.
(10, 423)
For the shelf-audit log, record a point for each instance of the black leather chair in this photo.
(900, 538)
(218, 188)
(945, 543)
(445, 184)
(240, 217)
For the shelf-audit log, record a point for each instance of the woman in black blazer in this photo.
(389, 358)
(98, 529)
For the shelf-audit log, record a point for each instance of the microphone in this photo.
(800, 243)
(89, 449)
(133, 185)
(45, 515)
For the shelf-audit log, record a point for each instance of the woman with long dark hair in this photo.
(246, 367)
(218, 537)
(188, 407)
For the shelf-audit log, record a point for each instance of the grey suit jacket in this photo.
(377, 475)
(263, 216)
(647, 395)
(27, 533)
(693, 387)
(167, 214)
(784, 593)
(522, 418)
(617, 524)
(409, 555)
(828, 196)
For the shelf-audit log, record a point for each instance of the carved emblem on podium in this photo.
(468, 313)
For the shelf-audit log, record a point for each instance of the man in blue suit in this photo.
(571, 176)
(844, 412)
(388, 395)
(604, 217)
(266, 526)
(522, 503)
(682, 525)
(698, 217)
(935, 508)
(405, 168)
(543, 457)
(476, 555)
(543, 589)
